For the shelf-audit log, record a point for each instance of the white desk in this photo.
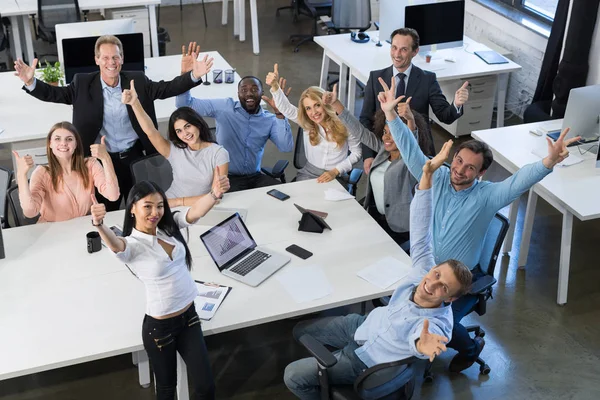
(65, 306)
(27, 120)
(361, 59)
(573, 190)
(23, 8)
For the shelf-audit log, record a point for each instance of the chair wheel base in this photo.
(485, 369)
(428, 377)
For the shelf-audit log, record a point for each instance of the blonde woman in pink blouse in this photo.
(61, 190)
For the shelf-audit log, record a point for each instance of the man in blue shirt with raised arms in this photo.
(416, 322)
(243, 128)
(465, 205)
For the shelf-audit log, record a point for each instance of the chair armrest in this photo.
(384, 379)
(277, 170)
(355, 175)
(318, 351)
(482, 284)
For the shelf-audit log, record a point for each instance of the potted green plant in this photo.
(51, 74)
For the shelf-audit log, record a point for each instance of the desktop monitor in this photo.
(91, 28)
(440, 24)
(582, 113)
(79, 54)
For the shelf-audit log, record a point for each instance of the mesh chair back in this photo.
(17, 211)
(153, 168)
(492, 243)
(351, 14)
(53, 12)
(299, 155)
(5, 178)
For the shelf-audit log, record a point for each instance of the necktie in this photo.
(401, 86)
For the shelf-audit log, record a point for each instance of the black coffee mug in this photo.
(94, 243)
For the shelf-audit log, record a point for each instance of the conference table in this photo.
(359, 59)
(19, 10)
(27, 120)
(573, 190)
(61, 306)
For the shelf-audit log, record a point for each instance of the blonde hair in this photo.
(78, 162)
(108, 39)
(336, 129)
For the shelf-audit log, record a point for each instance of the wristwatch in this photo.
(100, 224)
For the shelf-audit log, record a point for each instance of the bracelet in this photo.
(183, 201)
(213, 195)
(100, 224)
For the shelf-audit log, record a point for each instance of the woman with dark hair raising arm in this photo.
(191, 150)
(155, 251)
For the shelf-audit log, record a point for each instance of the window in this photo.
(540, 9)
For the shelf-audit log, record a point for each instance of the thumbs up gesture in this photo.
(129, 96)
(24, 164)
(98, 211)
(99, 150)
(273, 78)
(462, 95)
(220, 183)
(404, 110)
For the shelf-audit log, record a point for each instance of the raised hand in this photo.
(25, 72)
(282, 85)
(202, 67)
(557, 151)
(328, 176)
(188, 57)
(404, 110)
(387, 98)
(98, 211)
(270, 101)
(24, 164)
(129, 96)
(330, 97)
(430, 344)
(220, 183)
(273, 78)
(437, 161)
(99, 150)
(462, 95)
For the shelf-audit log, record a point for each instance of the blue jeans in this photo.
(163, 338)
(461, 340)
(301, 377)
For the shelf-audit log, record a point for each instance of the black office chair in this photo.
(17, 211)
(350, 181)
(393, 380)
(5, 180)
(483, 287)
(153, 168)
(294, 7)
(52, 13)
(314, 9)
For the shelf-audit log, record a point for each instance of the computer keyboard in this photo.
(253, 261)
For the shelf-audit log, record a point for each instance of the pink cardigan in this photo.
(72, 199)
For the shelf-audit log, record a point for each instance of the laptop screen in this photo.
(227, 240)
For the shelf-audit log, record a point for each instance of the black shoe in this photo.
(460, 363)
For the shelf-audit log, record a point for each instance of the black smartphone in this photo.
(278, 195)
(299, 251)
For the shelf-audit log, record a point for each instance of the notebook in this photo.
(491, 57)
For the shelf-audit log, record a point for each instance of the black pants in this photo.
(252, 181)
(398, 237)
(163, 338)
(122, 162)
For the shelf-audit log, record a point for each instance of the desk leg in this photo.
(224, 15)
(28, 39)
(254, 19)
(143, 368)
(565, 256)
(236, 18)
(242, 19)
(342, 85)
(527, 228)
(502, 89)
(16, 35)
(183, 390)
(134, 358)
(153, 30)
(324, 70)
(351, 93)
(512, 218)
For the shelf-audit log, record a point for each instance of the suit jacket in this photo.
(85, 94)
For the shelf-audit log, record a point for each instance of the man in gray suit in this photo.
(420, 86)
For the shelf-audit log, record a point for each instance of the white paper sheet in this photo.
(305, 283)
(384, 272)
(337, 195)
(210, 297)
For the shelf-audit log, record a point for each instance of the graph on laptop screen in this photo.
(226, 241)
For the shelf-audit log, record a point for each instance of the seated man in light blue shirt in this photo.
(416, 322)
(243, 128)
(465, 206)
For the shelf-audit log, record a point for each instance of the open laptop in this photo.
(236, 254)
(581, 115)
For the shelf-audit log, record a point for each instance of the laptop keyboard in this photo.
(253, 261)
